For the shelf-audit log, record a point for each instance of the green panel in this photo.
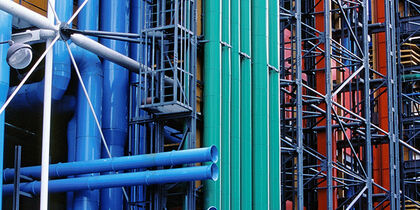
(226, 87)
(236, 107)
(274, 142)
(246, 105)
(259, 103)
(212, 93)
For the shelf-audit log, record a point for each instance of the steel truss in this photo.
(332, 106)
(407, 47)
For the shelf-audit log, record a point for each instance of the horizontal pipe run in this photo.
(107, 53)
(121, 180)
(121, 163)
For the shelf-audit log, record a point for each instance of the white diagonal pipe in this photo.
(26, 14)
(107, 53)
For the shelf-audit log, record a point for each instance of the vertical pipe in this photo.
(137, 52)
(367, 108)
(392, 104)
(61, 78)
(114, 18)
(260, 105)
(226, 123)
(46, 118)
(5, 34)
(236, 108)
(212, 92)
(274, 117)
(331, 200)
(246, 105)
(325, 142)
(71, 154)
(88, 140)
(299, 106)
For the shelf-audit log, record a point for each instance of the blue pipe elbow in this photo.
(32, 95)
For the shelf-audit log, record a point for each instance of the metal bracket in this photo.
(225, 44)
(33, 36)
(272, 68)
(244, 55)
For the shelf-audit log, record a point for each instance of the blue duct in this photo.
(31, 96)
(5, 35)
(88, 140)
(121, 180)
(172, 158)
(114, 18)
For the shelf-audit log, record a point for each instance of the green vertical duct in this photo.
(226, 86)
(246, 105)
(212, 92)
(274, 142)
(259, 103)
(236, 107)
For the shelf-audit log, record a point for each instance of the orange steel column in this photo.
(322, 136)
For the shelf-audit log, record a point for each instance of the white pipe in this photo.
(26, 14)
(410, 147)
(413, 38)
(356, 198)
(47, 117)
(107, 53)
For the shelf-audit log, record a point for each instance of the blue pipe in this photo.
(137, 52)
(5, 35)
(172, 135)
(172, 158)
(71, 155)
(88, 140)
(114, 18)
(121, 180)
(31, 96)
(67, 104)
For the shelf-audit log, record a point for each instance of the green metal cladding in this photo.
(241, 102)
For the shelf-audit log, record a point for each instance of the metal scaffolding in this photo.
(408, 99)
(163, 97)
(339, 104)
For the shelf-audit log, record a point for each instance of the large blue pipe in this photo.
(31, 96)
(88, 140)
(172, 158)
(114, 18)
(5, 35)
(120, 180)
